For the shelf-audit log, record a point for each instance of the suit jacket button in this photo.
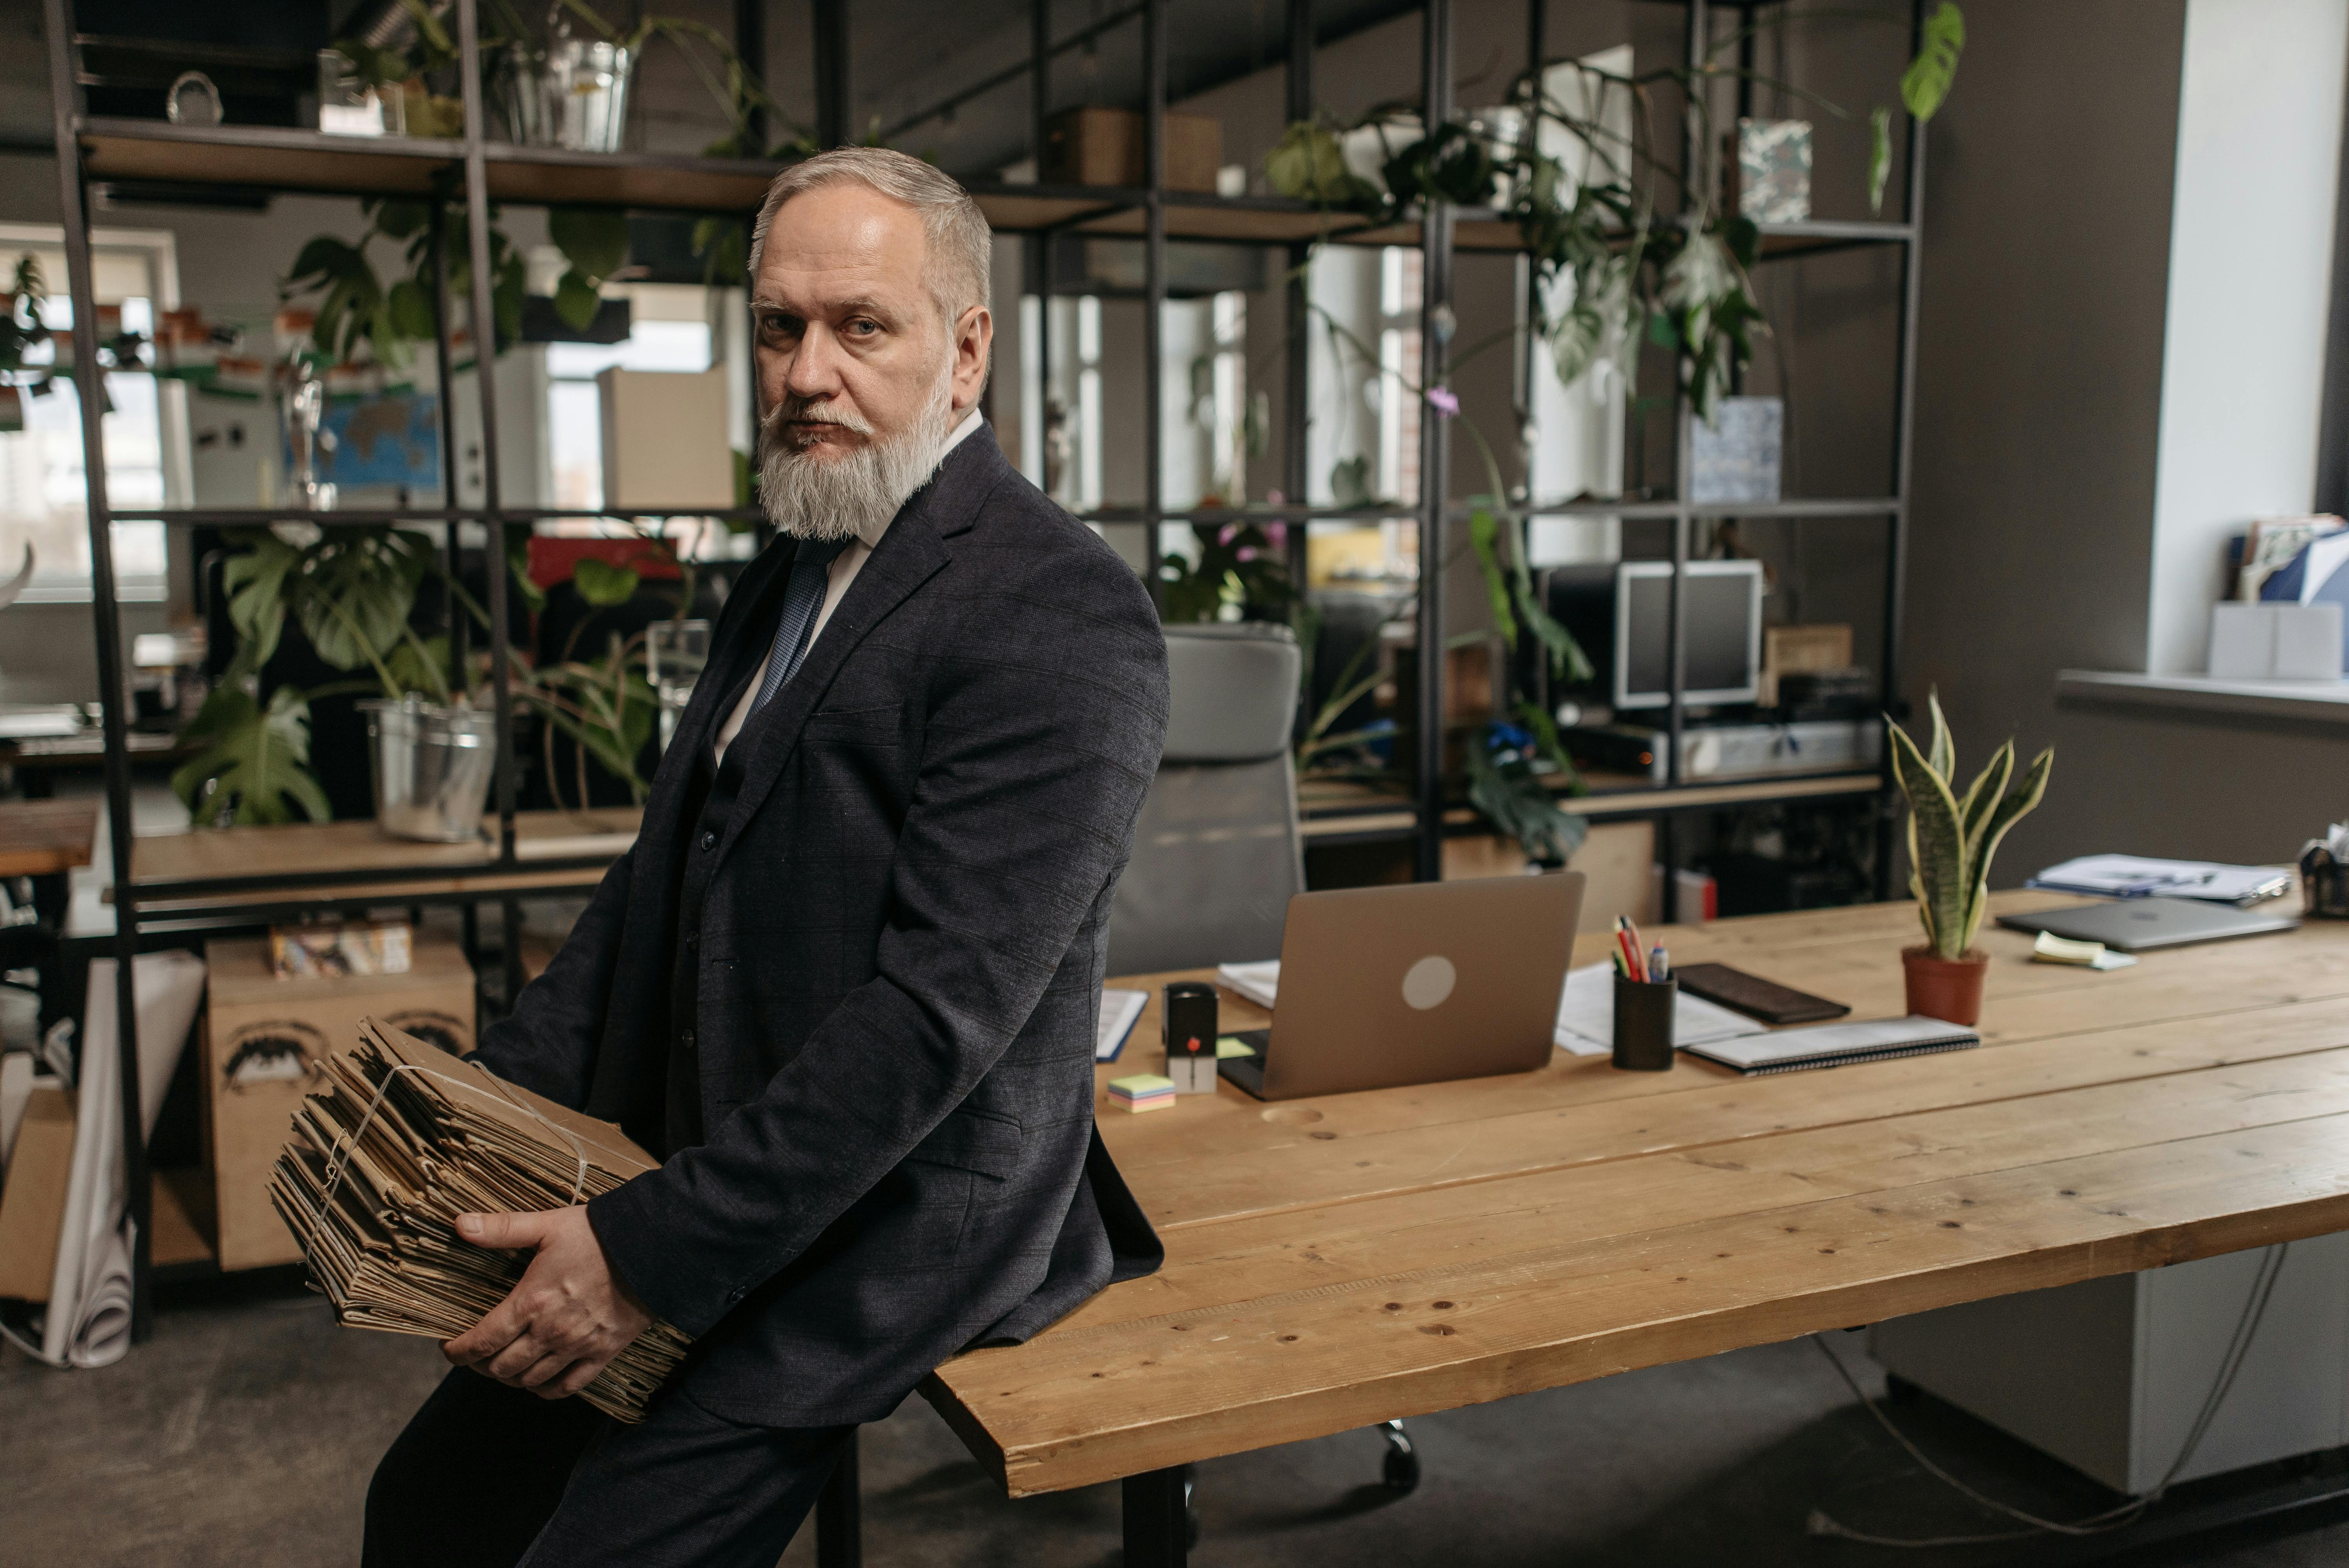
(685, 1039)
(709, 839)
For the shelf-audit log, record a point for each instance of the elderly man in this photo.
(847, 981)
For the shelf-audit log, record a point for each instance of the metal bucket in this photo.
(572, 95)
(432, 768)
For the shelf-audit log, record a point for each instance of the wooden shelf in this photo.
(309, 160)
(645, 180)
(1343, 811)
(256, 155)
(336, 861)
(1729, 792)
(42, 837)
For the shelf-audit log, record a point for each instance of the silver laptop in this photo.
(1381, 987)
(2134, 924)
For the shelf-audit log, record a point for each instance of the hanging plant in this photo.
(1609, 276)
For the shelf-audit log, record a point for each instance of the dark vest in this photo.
(712, 794)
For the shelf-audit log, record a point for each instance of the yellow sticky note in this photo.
(1230, 1046)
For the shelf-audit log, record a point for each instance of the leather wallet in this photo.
(1755, 996)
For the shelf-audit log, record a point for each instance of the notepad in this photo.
(1120, 1011)
(1142, 1091)
(1586, 1015)
(1837, 1045)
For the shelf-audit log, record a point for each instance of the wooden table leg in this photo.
(840, 1514)
(1157, 1529)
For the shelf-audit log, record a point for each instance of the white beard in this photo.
(840, 497)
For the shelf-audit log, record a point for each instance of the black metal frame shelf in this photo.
(1823, 509)
(323, 163)
(1395, 818)
(476, 170)
(379, 517)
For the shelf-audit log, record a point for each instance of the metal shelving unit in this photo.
(477, 170)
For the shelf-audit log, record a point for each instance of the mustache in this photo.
(795, 410)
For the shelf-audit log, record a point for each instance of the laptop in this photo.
(1382, 986)
(2134, 924)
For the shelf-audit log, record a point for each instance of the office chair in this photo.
(1216, 856)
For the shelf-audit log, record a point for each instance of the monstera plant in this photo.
(351, 591)
(1951, 839)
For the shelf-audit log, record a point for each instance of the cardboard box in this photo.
(1787, 649)
(264, 1041)
(357, 947)
(1094, 146)
(665, 439)
(33, 1204)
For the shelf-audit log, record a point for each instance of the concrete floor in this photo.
(245, 1432)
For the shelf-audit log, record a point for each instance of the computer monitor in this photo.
(1620, 612)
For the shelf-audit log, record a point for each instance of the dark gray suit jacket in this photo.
(899, 967)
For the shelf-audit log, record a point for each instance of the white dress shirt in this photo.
(845, 568)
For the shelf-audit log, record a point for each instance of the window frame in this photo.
(159, 251)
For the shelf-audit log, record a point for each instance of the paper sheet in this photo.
(88, 1323)
(15, 1087)
(1259, 982)
(1120, 1011)
(1586, 1015)
(2137, 876)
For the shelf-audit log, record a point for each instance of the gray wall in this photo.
(2047, 224)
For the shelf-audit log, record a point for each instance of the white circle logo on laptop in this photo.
(1428, 982)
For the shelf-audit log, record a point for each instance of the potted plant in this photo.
(1951, 839)
(352, 591)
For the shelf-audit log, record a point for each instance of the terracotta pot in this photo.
(1949, 989)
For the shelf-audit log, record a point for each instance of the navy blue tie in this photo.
(803, 597)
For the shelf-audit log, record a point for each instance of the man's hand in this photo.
(567, 1319)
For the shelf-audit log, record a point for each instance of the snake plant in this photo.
(1953, 837)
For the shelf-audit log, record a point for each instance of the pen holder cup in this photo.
(2324, 884)
(1643, 1024)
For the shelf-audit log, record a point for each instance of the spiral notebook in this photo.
(1836, 1045)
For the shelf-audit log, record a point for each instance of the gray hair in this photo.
(961, 243)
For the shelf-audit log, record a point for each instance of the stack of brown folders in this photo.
(374, 1199)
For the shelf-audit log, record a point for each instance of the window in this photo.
(42, 493)
(669, 330)
(1578, 446)
(1061, 447)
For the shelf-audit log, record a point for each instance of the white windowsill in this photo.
(142, 591)
(2320, 702)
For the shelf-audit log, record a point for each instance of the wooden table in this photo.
(45, 838)
(345, 862)
(1338, 1262)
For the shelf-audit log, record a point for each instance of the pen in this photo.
(1631, 966)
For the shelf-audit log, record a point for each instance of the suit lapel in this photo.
(701, 717)
(738, 651)
(906, 559)
(912, 551)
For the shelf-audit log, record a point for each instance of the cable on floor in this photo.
(2247, 1327)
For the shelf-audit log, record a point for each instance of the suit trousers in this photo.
(490, 1477)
